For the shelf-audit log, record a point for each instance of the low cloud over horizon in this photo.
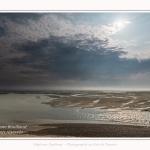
(74, 51)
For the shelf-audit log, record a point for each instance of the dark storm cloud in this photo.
(21, 17)
(70, 60)
(29, 72)
(2, 31)
(64, 60)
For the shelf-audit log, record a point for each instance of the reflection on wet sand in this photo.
(80, 106)
(90, 107)
(128, 100)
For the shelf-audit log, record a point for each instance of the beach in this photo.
(75, 114)
(76, 130)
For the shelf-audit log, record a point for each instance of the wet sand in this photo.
(74, 130)
(124, 100)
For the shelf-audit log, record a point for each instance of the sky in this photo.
(75, 51)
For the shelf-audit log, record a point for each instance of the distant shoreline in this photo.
(69, 90)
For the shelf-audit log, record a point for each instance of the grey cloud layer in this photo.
(69, 60)
(41, 48)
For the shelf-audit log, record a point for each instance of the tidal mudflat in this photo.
(73, 107)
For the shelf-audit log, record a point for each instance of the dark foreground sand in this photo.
(84, 130)
(93, 130)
